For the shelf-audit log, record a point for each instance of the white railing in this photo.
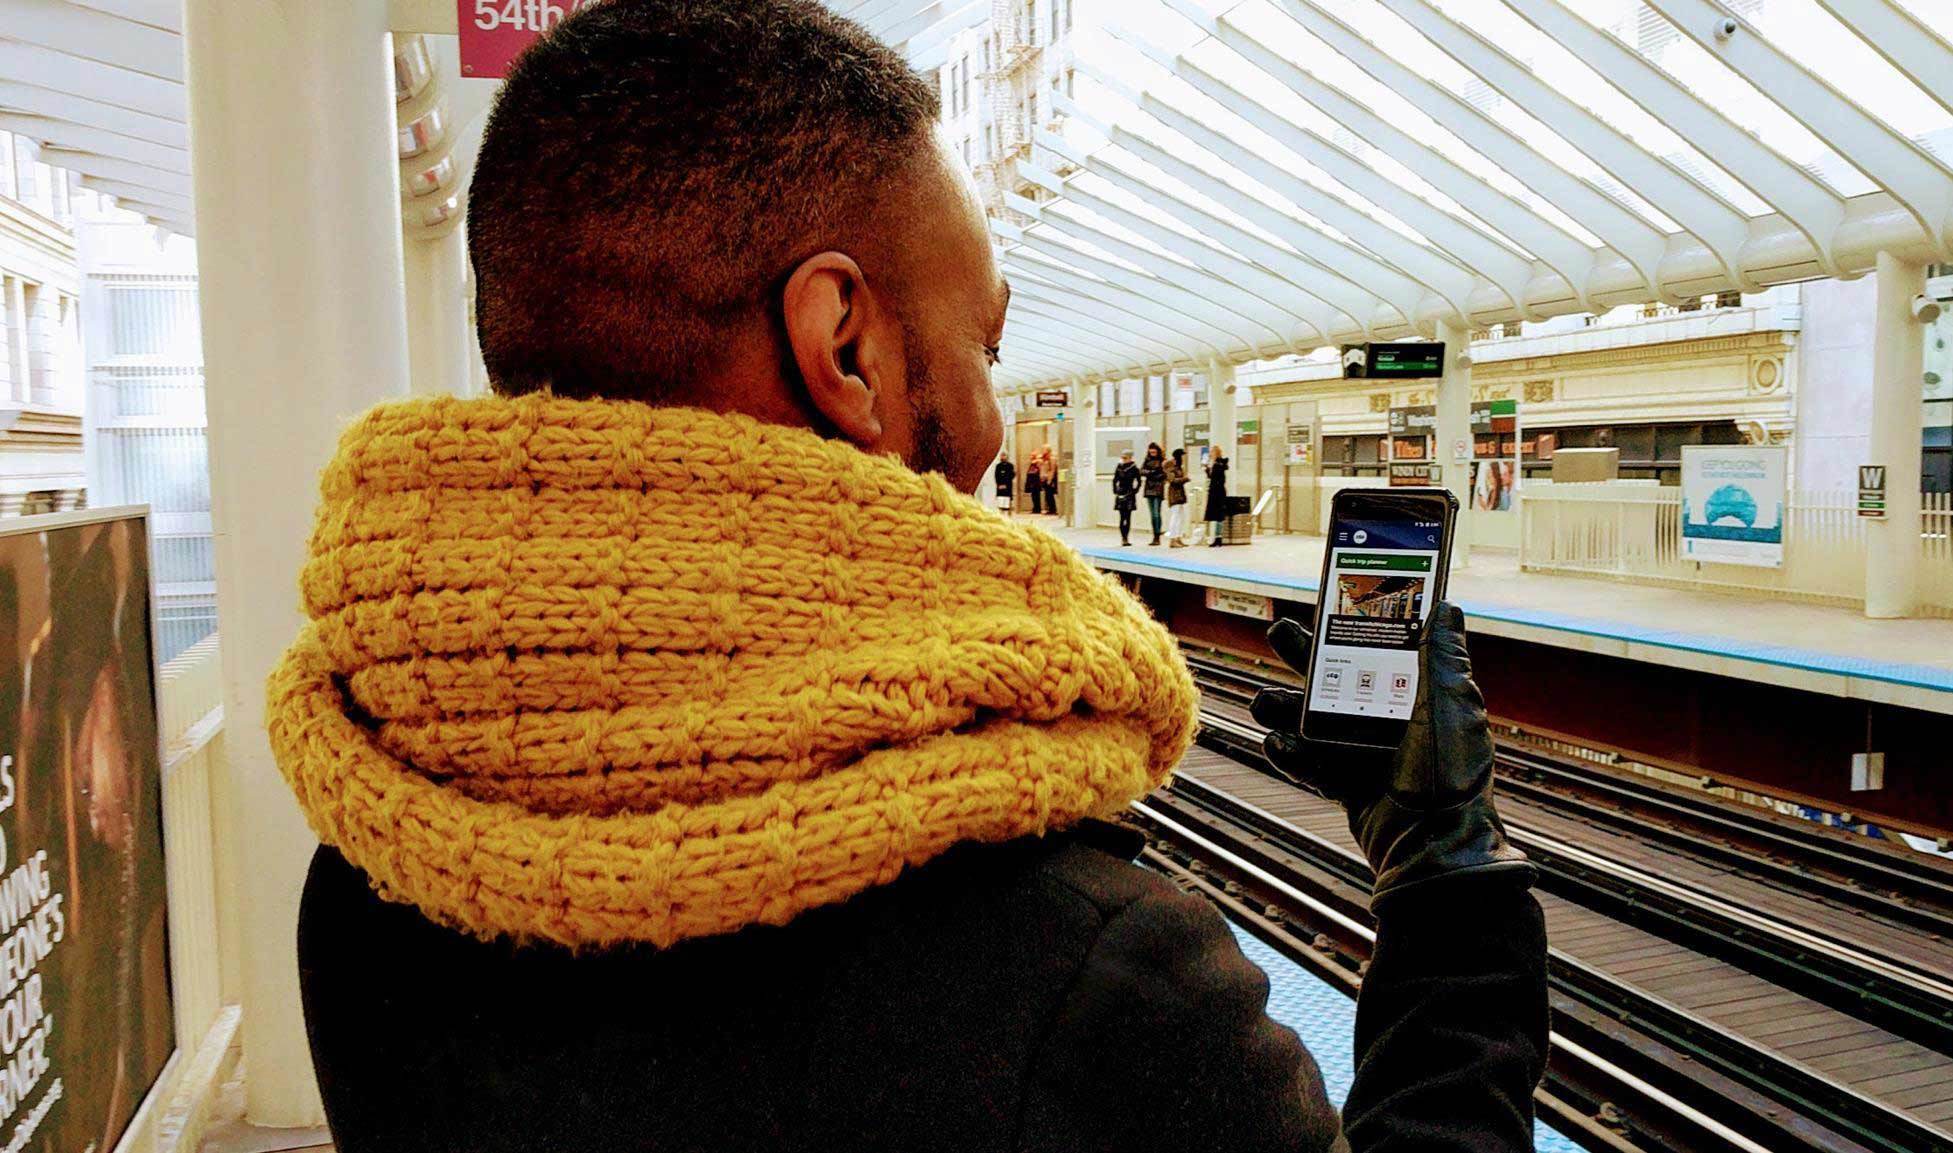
(1632, 531)
(190, 713)
(1936, 543)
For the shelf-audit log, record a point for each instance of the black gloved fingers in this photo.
(1337, 772)
(1285, 756)
(1291, 643)
(1279, 709)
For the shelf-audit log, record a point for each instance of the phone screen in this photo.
(1380, 581)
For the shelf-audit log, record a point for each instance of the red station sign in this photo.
(494, 32)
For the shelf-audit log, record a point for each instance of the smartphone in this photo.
(1384, 567)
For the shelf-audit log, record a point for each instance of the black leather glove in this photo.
(1421, 811)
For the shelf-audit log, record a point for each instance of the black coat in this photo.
(1216, 491)
(1152, 474)
(1125, 486)
(1006, 477)
(1040, 995)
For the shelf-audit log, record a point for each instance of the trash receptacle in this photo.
(1240, 526)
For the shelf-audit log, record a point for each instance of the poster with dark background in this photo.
(85, 1017)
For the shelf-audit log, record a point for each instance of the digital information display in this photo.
(1376, 603)
(1398, 360)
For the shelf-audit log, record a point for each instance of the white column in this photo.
(1084, 418)
(1898, 354)
(439, 351)
(304, 324)
(1455, 429)
(1220, 409)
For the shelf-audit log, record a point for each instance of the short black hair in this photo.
(653, 169)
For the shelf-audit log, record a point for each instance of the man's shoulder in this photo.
(1086, 872)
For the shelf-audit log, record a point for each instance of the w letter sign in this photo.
(1871, 490)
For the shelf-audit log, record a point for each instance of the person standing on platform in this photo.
(1034, 484)
(1125, 494)
(1216, 512)
(1152, 474)
(1005, 476)
(1176, 499)
(1050, 482)
(754, 801)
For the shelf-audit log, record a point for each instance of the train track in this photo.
(1790, 987)
(1906, 889)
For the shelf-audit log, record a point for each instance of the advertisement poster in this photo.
(1733, 504)
(1197, 442)
(1492, 485)
(1299, 440)
(85, 1016)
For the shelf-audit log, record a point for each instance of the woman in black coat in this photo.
(1216, 517)
(1125, 494)
(1152, 475)
(1006, 478)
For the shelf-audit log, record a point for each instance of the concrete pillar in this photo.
(439, 350)
(1455, 430)
(304, 325)
(1084, 487)
(1898, 359)
(1220, 408)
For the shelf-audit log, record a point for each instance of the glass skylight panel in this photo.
(1572, 77)
(1066, 210)
(1085, 246)
(1282, 101)
(1721, 88)
(1805, 32)
(1372, 21)
(1251, 139)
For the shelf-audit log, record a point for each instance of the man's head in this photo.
(741, 205)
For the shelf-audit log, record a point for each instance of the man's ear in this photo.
(845, 343)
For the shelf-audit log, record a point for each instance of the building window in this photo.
(1071, 79)
(989, 142)
(964, 99)
(1031, 22)
(1067, 14)
(966, 151)
(989, 63)
(1055, 5)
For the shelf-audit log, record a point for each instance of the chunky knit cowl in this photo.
(595, 672)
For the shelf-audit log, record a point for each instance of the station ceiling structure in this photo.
(1231, 180)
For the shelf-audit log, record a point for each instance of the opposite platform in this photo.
(1819, 648)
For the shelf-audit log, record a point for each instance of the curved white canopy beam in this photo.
(1913, 176)
(1896, 34)
(1707, 216)
(1360, 302)
(1226, 292)
(1635, 239)
(1802, 198)
(1472, 251)
(1222, 327)
(1561, 252)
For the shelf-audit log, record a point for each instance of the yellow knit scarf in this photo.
(595, 672)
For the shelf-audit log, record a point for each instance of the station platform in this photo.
(1818, 648)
